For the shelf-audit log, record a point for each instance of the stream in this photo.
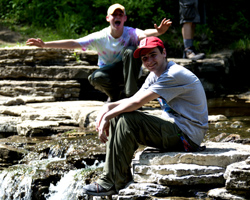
(57, 167)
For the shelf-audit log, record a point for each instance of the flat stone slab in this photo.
(222, 193)
(8, 124)
(179, 174)
(39, 118)
(33, 63)
(216, 154)
(177, 169)
(45, 56)
(68, 90)
(47, 72)
(188, 168)
(144, 189)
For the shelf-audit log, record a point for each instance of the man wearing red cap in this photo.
(181, 127)
(115, 46)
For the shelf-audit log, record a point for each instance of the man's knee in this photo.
(129, 51)
(126, 131)
(98, 78)
(127, 120)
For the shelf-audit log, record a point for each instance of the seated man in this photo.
(115, 45)
(180, 128)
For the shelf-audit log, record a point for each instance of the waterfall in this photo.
(16, 181)
(15, 184)
(71, 184)
(68, 187)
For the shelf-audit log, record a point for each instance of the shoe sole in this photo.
(108, 193)
(197, 58)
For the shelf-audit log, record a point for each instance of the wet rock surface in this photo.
(220, 165)
(54, 139)
(49, 148)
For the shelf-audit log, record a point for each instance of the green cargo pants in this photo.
(125, 133)
(110, 78)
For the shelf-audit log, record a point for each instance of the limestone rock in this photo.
(24, 91)
(35, 128)
(44, 56)
(8, 124)
(192, 168)
(34, 64)
(9, 155)
(237, 176)
(215, 118)
(222, 193)
(42, 118)
(27, 99)
(216, 154)
(138, 190)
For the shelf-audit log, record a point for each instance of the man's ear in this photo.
(125, 18)
(164, 52)
(107, 18)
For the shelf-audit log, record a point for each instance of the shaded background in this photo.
(227, 21)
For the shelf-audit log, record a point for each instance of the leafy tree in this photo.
(227, 22)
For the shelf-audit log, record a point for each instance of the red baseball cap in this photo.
(148, 43)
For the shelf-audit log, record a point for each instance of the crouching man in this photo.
(181, 127)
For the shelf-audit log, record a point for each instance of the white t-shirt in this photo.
(185, 94)
(109, 49)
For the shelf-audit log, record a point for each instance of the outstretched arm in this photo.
(61, 44)
(158, 30)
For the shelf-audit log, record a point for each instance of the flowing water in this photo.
(238, 118)
(16, 180)
(70, 185)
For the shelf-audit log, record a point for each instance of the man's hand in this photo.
(165, 24)
(100, 115)
(35, 42)
(103, 130)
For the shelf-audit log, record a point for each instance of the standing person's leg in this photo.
(188, 30)
(126, 131)
(131, 70)
(108, 80)
(189, 16)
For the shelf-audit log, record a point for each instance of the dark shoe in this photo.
(97, 190)
(190, 53)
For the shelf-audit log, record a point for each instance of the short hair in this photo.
(160, 49)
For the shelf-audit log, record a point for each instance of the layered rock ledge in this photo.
(222, 166)
(222, 169)
(45, 92)
(69, 69)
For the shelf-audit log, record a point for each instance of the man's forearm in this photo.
(151, 32)
(126, 105)
(62, 44)
(148, 33)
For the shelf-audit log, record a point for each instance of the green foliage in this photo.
(77, 57)
(227, 22)
(242, 44)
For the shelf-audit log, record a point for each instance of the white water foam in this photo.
(16, 184)
(71, 184)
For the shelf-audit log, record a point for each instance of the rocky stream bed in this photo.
(49, 148)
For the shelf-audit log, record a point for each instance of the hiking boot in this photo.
(190, 53)
(97, 190)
